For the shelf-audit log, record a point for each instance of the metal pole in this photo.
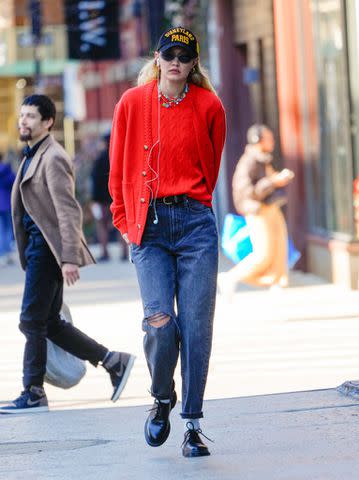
(37, 62)
(36, 30)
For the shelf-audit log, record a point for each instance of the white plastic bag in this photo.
(63, 369)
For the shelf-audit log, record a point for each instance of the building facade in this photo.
(317, 41)
(293, 65)
(290, 64)
(17, 62)
(85, 92)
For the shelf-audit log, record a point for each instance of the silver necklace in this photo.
(168, 102)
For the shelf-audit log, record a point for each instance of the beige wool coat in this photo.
(47, 193)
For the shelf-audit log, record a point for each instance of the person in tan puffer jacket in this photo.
(258, 194)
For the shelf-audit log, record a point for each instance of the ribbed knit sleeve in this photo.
(117, 149)
(218, 136)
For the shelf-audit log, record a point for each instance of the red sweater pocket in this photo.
(128, 197)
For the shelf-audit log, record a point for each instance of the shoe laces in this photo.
(154, 406)
(157, 406)
(27, 391)
(22, 397)
(191, 430)
(22, 394)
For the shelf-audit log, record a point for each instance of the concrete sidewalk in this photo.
(309, 435)
(305, 337)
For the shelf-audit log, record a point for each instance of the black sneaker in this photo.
(118, 365)
(193, 445)
(31, 400)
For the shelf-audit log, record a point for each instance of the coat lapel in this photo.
(15, 192)
(36, 160)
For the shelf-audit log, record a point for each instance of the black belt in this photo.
(172, 200)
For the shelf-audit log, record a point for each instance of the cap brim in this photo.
(179, 44)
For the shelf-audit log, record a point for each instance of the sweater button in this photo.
(142, 200)
(145, 147)
(138, 226)
(144, 174)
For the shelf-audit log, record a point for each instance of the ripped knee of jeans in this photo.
(158, 320)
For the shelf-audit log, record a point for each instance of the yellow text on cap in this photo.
(180, 38)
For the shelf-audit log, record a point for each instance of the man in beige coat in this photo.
(48, 231)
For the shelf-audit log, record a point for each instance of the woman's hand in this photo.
(125, 237)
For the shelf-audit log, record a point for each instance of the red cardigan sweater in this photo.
(130, 146)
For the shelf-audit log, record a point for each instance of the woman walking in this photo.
(166, 144)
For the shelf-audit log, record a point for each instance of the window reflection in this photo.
(333, 164)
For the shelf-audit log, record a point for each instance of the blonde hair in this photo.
(198, 75)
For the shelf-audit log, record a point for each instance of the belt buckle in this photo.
(165, 201)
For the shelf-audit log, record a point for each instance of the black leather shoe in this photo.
(157, 426)
(192, 445)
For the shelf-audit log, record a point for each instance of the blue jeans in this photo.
(6, 234)
(40, 315)
(178, 261)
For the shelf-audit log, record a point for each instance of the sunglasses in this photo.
(169, 56)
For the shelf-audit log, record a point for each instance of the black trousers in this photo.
(40, 315)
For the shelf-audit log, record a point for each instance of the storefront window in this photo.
(331, 191)
(353, 49)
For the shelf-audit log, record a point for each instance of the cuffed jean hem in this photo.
(162, 397)
(191, 415)
(33, 382)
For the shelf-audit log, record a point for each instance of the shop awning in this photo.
(26, 68)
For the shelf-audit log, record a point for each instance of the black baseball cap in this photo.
(179, 37)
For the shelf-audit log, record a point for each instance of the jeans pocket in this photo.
(196, 206)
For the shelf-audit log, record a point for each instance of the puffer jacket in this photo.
(251, 183)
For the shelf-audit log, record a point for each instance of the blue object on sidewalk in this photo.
(293, 254)
(236, 242)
